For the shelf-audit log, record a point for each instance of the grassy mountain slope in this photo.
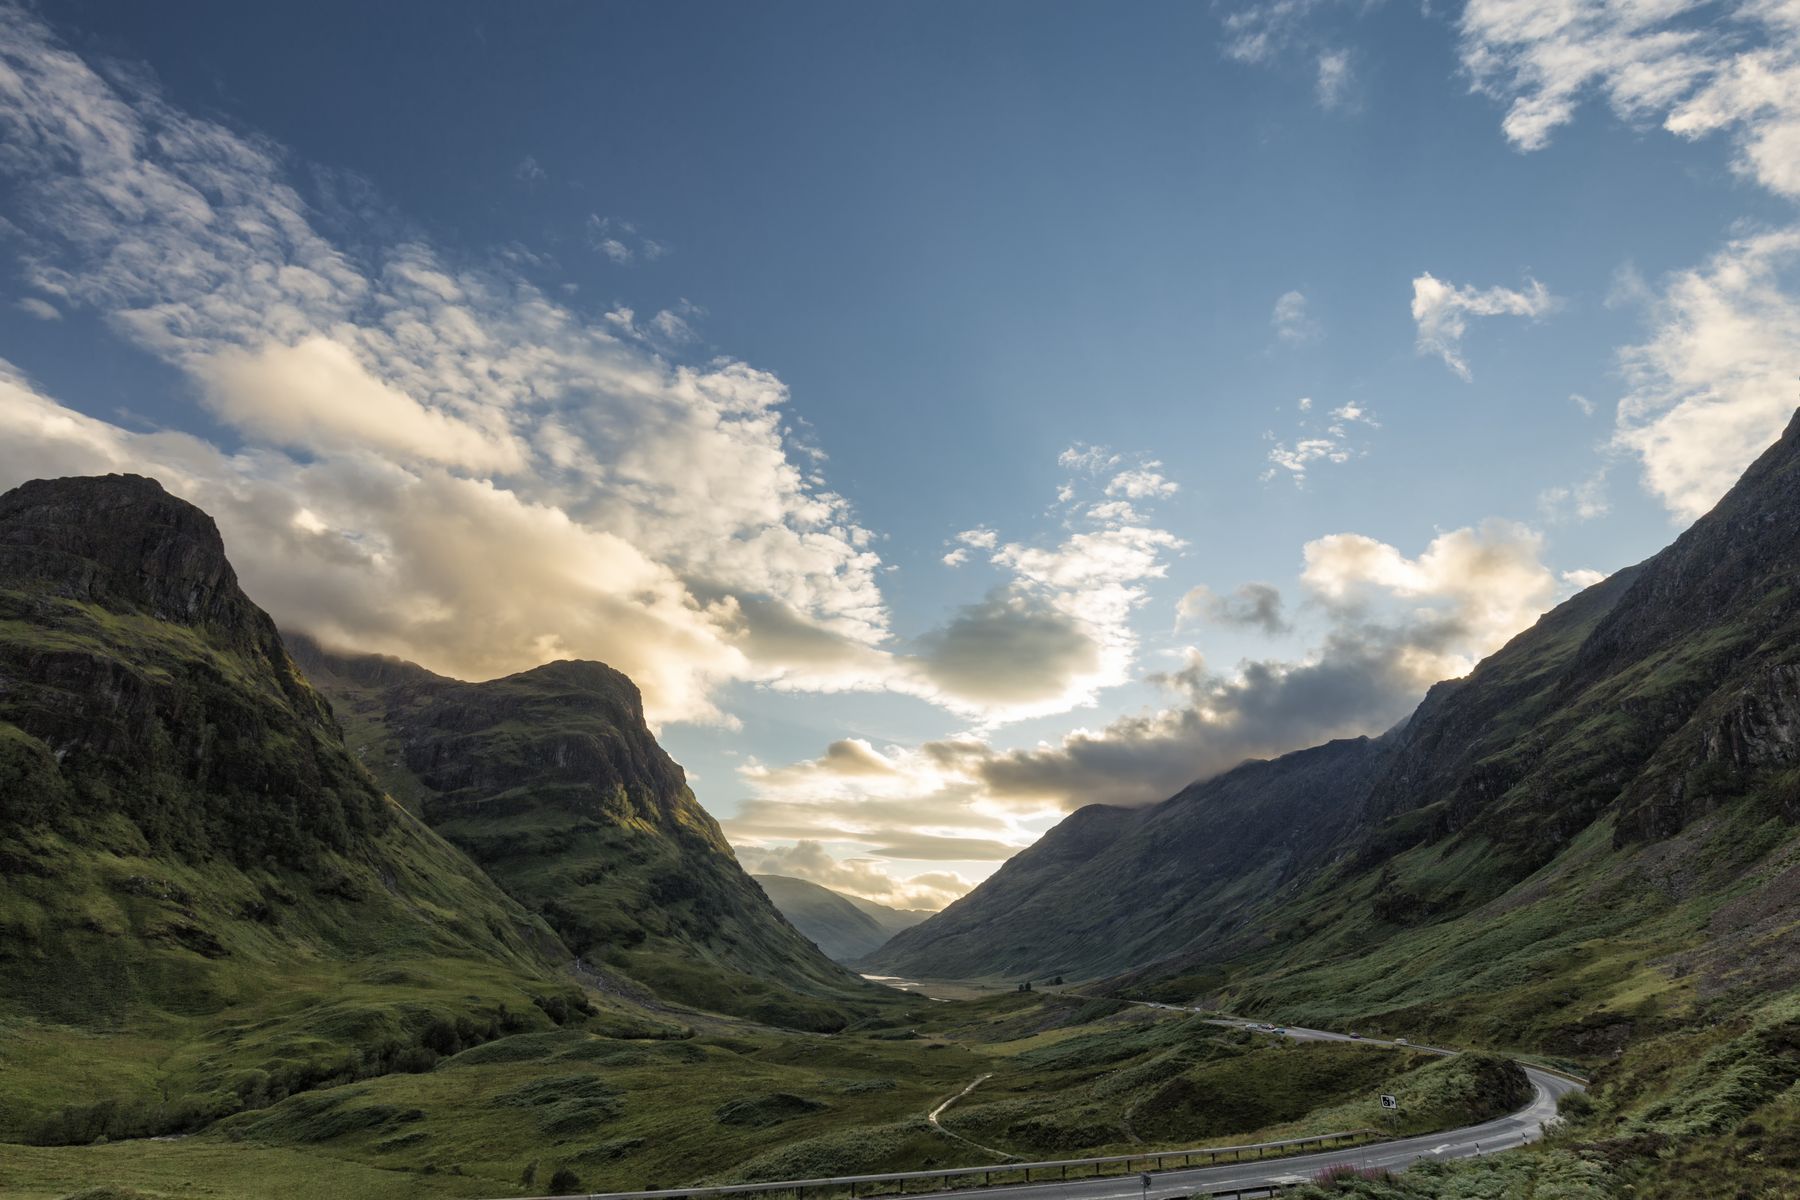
(726, 1100)
(551, 781)
(206, 904)
(1563, 771)
(1111, 888)
(845, 927)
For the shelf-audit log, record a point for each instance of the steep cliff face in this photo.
(551, 780)
(187, 846)
(128, 651)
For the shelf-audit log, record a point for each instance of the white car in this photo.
(1401, 1042)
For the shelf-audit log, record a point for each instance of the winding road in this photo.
(1254, 1177)
(1489, 1137)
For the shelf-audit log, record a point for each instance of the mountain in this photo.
(845, 927)
(1591, 831)
(1110, 888)
(190, 859)
(552, 782)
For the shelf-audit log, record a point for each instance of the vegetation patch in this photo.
(760, 1111)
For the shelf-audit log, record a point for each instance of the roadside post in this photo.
(1145, 1180)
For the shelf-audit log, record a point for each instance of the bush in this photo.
(564, 1182)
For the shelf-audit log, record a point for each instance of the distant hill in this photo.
(1591, 831)
(845, 927)
(193, 861)
(551, 781)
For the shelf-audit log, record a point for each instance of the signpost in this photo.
(1145, 1179)
(1390, 1101)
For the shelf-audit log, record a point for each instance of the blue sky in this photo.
(697, 337)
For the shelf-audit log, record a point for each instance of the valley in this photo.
(286, 921)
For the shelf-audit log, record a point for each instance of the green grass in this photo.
(740, 1101)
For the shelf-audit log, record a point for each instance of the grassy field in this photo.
(726, 1100)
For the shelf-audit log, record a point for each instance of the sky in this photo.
(949, 415)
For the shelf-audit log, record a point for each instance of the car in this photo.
(1356, 1037)
(1250, 1025)
(1279, 1029)
(1401, 1042)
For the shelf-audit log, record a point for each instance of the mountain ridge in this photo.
(550, 779)
(1667, 692)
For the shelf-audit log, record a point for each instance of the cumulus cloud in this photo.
(867, 878)
(1395, 624)
(1317, 444)
(433, 458)
(1441, 311)
(315, 396)
(919, 804)
(1291, 321)
(1715, 383)
(1059, 630)
(1699, 68)
(1142, 483)
(1252, 605)
(1010, 649)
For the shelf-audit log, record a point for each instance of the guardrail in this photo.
(860, 1186)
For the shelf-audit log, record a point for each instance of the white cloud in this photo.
(1335, 81)
(1582, 501)
(620, 241)
(1142, 483)
(1700, 68)
(1398, 624)
(1089, 460)
(1316, 444)
(871, 879)
(1583, 403)
(1717, 380)
(1291, 321)
(316, 396)
(437, 460)
(1256, 32)
(1060, 630)
(43, 310)
(1582, 577)
(529, 172)
(1250, 604)
(1441, 312)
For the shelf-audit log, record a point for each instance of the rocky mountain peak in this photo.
(122, 542)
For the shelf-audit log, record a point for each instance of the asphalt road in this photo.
(1490, 1137)
(1502, 1133)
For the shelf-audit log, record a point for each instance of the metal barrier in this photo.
(860, 1186)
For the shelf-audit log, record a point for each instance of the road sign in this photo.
(1390, 1102)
